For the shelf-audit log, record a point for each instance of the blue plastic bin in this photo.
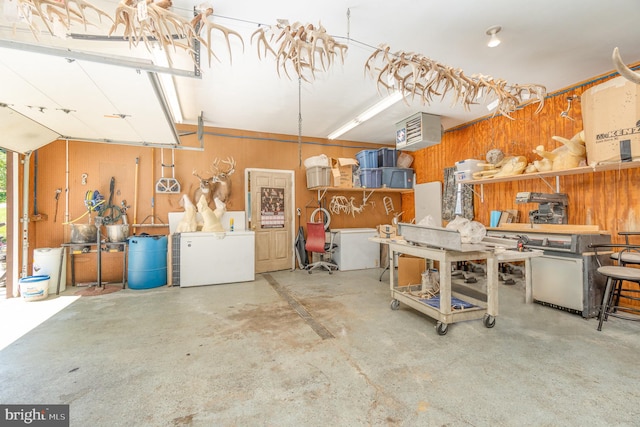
(367, 159)
(387, 158)
(371, 178)
(397, 177)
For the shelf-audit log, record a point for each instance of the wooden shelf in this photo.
(553, 174)
(358, 189)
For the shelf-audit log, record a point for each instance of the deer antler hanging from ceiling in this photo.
(306, 48)
(157, 22)
(52, 14)
(143, 21)
(200, 23)
(302, 46)
(416, 75)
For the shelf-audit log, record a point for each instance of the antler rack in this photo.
(414, 75)
(302, 46)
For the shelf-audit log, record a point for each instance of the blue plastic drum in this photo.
(147, 262)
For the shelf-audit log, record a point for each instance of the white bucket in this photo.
(34, 288)
(47, 261)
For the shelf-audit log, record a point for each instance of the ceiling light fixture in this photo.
(493, 31)
(168, 85)
(370, 112)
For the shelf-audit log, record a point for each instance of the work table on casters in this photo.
(445, 314)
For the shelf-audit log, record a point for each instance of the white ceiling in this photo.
(548, 42)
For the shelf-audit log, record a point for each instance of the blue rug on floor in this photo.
(455, 302)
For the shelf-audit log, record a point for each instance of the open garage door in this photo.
(21, 134)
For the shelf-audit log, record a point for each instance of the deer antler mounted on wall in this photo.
(204, 188)
(218, 186)
(222, 180)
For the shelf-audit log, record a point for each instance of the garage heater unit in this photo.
(418, 131)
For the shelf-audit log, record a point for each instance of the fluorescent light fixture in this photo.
(168, 86)
(172, 96)
(493, 31)
(370, 112)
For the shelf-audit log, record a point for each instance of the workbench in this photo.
(445, 314)
(84, 248)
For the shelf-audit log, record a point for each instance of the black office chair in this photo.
(616, 276)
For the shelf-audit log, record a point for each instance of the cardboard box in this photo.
(387, 231)
(342, 170)
(611, 114)
(410, 270)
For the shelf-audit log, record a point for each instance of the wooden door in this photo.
(272, 218)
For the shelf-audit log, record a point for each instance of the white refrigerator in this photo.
(355, 251)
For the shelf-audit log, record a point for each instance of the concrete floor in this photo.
(241, 355)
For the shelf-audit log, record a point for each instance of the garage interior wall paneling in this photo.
(517, 136)
(590, 195)
(608, 199)
(101, 161)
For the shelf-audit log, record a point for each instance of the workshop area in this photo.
(277, 213)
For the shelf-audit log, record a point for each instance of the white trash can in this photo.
(47, 261)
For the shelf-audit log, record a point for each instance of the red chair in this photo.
(317, 243)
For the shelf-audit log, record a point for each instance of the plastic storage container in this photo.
(147, 262)
(397, 177)
(318, 176)
(387, 158)
(404, 160)
(371, 178)
(51, 262)
(470, 165)
(34, 288)
(462, 176)
(367, 159)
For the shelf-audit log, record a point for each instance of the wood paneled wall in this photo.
(100, 162)
(608, 199)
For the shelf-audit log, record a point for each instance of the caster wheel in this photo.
(489, 321)
(395, 304)
(442, 328)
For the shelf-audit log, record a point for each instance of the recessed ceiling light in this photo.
(493, 31)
